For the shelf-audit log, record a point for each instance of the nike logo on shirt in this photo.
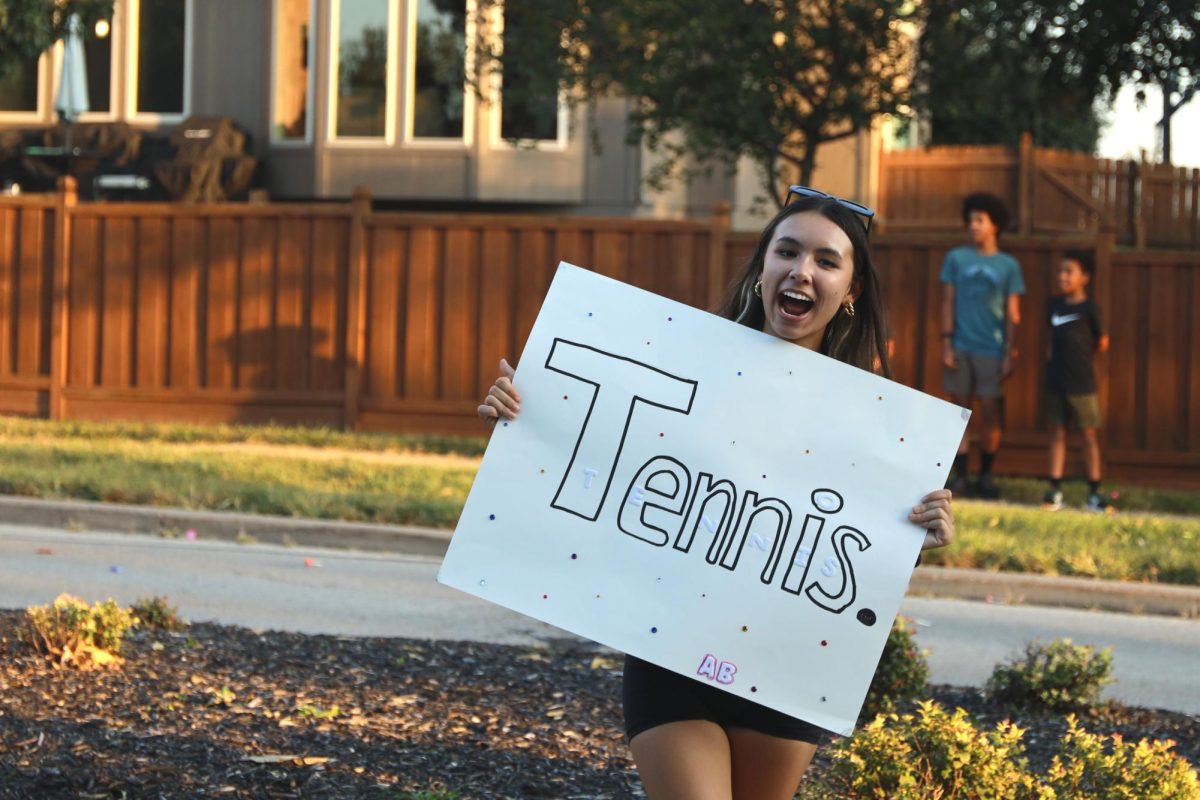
(1056, 320)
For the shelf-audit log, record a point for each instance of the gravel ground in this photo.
(225, 711)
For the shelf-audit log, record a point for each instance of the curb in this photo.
(966, 584)
(81, 515)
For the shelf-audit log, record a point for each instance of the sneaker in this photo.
(1095, 502)
(1052, 501)
(988, 488)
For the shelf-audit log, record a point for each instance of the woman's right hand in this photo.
(503, 400)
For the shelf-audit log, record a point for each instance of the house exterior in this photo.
(343, 93)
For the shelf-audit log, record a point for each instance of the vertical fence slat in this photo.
(116, 331)
(221, 341)
(188, 339)
(152, 303)
(84, 272)
(255, 330)
(329, 283)
(460, 315)
(8, 301)
(291, 363)
(497, 287)
(30, 272)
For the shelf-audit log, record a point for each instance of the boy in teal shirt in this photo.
(981, 308)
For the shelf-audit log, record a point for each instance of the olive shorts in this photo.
(1083, 408)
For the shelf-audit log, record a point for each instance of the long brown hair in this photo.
(859, 340)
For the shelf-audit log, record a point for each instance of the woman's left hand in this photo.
(936, 516)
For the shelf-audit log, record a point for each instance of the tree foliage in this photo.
(715, 80)
(990, 69)
(28, 27)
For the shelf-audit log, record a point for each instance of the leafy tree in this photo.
(990, 69)
(715, 80)
(28, 27)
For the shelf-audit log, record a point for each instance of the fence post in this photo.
(68, 196)
(1025, 184)
(718, 234)
(356, 313)
(1106, 241)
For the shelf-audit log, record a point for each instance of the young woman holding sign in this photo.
(810, 281)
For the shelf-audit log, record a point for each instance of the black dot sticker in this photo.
(866, 616)
(491, 516)
(754, 688)
(824, 643)
(574, 556)
(745, 628)
(654, 630)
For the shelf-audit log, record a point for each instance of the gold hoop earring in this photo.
(848, 307)
(758, 289)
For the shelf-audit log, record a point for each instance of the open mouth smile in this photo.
(795, 305)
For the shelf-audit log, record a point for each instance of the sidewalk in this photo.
(967, 584)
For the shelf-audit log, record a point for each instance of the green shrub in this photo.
(71, 633)
(157, 614)
(932, 755)
(1059, 676)
(901, 675)
(1092, 767)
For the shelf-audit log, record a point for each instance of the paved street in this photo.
(347, 593)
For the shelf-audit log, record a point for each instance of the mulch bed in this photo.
(223, 711)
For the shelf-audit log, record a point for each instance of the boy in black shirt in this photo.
(1075, 335)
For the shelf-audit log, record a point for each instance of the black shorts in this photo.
(654, 696)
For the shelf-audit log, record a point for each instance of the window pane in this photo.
(362, 68)
(292, 24)
(439, 75)
(525, 117)
(160, 56)
(18, 88)
(97, 53)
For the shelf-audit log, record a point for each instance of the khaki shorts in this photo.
(976, 376)
(1083, 408)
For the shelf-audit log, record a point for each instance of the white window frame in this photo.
(45, 108)
(310, 93)
(555, 145)
(116, 42)
(390, 89)
(410, 84)
(132, 66)
(496, 140)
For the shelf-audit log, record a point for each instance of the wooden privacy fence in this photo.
(1051, 192)
(338, 315)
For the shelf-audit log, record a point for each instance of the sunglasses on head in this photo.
(858, 208)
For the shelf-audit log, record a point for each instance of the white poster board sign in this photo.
(704, 496)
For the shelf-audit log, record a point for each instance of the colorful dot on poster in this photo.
(866, 616)
(491, 516)
(660, 435)
(879, 398)
(789, 372)
(824, 643)
(545, 597)
(541, 472)
(597, 597)
(654, 630)
(764, 476)
(589, 313)
(669, 319)
(902, 438)
(702, 594)
(483, 583)
(564, 397)
(504, 425)
(823, 700)
(745, 628)
(574, 556)
(658, 580)
(647, 341)
(939, 463)
(754, 688)
(739, 373)
(807, 452)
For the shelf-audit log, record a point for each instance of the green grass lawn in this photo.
(327, 474)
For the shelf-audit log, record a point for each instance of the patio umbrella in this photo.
(72, 86)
